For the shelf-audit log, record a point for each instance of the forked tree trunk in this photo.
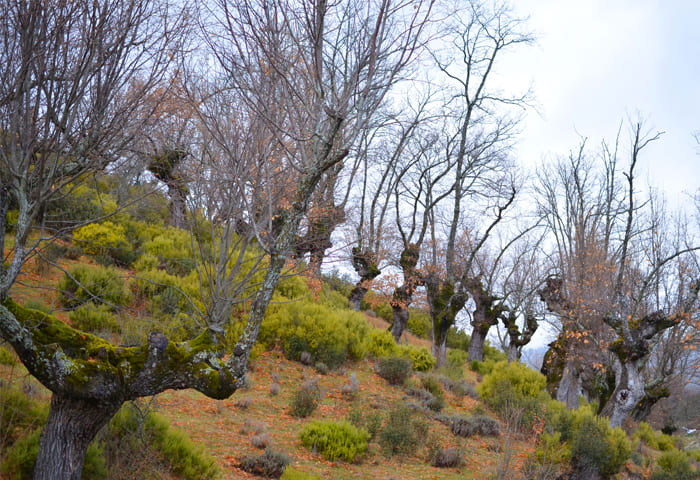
(71, 426)
(403, 295)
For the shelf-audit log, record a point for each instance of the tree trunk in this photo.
(71, 426)
(476, 345)
(400, 320)
(366, 267)
(569, 387)
(513, 353)
(440, 350)
(403, 295)
(356, 296)
(629, 391)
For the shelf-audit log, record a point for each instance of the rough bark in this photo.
(570, 385)
(629, 391)
(403, 295)
(71, 426)
(444, 305)
(365, 265)
(486, 314)
(517, 339)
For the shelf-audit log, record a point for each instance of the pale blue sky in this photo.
(599, 61)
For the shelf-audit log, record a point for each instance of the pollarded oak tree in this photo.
(603, 291)
(308, 75)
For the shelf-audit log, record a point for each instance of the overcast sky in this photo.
(597, 62)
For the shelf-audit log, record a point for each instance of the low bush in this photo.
(21, 457)
(394, 370)
(139, 440)
(106, 241)
(84, 284)
(305, 400)
(364, 419)
(173, 248)
(18, 414)
(335, 440)
(421, 359)
(419, 323)
(675, 465)
(473, 425)
(447, 458)
(351, 389)
(514, 386)
(652, 439)
(6, 357)
(94, 318)
(294, 474)
(330, 336)
(381, 344)
(270, 464)
(597, 448)
(403, 431)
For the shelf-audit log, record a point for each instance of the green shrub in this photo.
(18, 414)
(335, 440)
(293, 474)
(421, 359)
(94, 318)
(270, 464)
(403, 431)
(21, 457)
(84, 284)
(333, 299)
(293, 287)
(106, 241)
(394, 370)
(652, 439)
(675, 465)
(381, 344)
(384, 311)
(173, 248)
(141, 444)
(305, 400)
(512, 385)
(369, 421)
(419, 323)
(33, 304)
(184, 457)
(11, 220)
(79, 204)
(457, 358)
(6, 357)
(458, 339)
(596, 447)
(305, 326)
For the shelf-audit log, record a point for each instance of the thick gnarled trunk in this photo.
(629, 391)
(403, 295)
(71, 426)
(476, 345)
(366, 267)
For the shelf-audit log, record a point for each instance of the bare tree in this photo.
(477, 146)
(305, 76)
(604, 289)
